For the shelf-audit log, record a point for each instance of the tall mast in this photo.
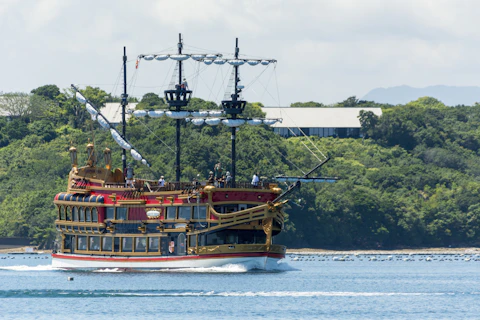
(177, 140)
(176, 99)
(234, 116)
(232, 108)
(124, 105)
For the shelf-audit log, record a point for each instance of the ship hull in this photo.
(260, 261)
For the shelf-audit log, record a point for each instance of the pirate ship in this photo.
(108, 220)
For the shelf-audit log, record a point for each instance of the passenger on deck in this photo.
(161, 182)
(184, 85)
(228, 180)
(221, 182)
(129, 174)
(210, 178)
(218, 171)
(255, 180)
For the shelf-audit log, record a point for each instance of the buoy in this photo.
(70, 278)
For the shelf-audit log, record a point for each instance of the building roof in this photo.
(317, 117)
(113, 111)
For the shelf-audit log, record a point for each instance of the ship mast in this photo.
(124, 105)
(176, 99)
(232, 108)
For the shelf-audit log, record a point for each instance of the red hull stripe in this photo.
(169, 258)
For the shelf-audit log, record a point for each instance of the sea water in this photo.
(302, 287)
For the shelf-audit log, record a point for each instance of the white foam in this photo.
(110, 270)
(228, 268)
(42, 267)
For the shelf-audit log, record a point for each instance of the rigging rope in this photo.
(156, 135)
(281, 154)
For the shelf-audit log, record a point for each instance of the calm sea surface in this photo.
(308, 287)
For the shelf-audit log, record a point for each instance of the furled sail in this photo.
(212, 56)
(139, 113)
(198, 122)
(255, 122)
(265, 62)
(177, 114)
(236, 62)
(208, 61)
(179, 57)
(91, 110)
(200, 114)
(219, 61)
(118, 139)
(270, 122)
(137, 156)
(149, 57)
(156, 113)
(103, 122)
(233, 122)
(80, 98)
(161, 57)
(212, 121)
(197, 57)
(253, 62)
(215, 113)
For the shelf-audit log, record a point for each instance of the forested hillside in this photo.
(413, 181)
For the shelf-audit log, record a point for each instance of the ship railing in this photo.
(153, 186)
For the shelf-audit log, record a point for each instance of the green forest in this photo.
(412, 181)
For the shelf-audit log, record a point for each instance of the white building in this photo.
(321, 122)
(113, 112)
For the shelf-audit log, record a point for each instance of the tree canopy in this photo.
(412, 181)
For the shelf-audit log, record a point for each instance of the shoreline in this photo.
(419, 251)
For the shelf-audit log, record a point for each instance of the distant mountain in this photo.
(450, 96)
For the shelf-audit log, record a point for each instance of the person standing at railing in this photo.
(161, 182)
(129, 174)
(255, 180)
(228, 180)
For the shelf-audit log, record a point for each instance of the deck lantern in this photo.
(73, 156)
(107, 157)
(91, 155)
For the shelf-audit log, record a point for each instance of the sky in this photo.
(327, 51)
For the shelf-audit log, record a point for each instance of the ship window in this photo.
(68, 213)
(94, 215)
(95, 243)
(69, 228)
(185, 213)
(81, 213)
(230, 208)
(67, 244)
(62, 212)
(127, 244)
(110, 213)
(75, 213)
(88, 215)
(121, 213)
(192, 241)
(201, 240)
(152, 244)
(116, 244)
(107, 243)
(171, 213)
(199, 212)
(82, 243)
(181, 244)
(252, 236)
(75, 228)
(140, 244)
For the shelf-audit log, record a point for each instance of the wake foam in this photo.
(42, 267)
(182, 293)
